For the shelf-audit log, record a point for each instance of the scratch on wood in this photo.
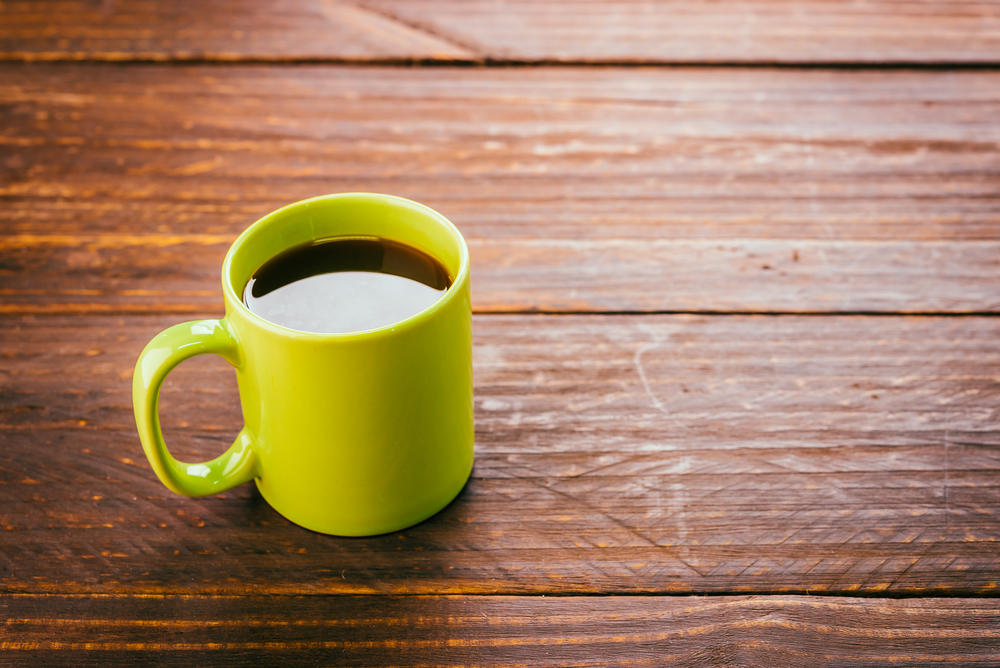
(637, 361)
(419, 27)
(947, 519)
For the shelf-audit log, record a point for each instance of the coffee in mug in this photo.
(345, 284)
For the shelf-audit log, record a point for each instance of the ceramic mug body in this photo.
(349, 434)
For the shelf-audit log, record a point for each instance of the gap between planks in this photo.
(140, 60)
(822, 597)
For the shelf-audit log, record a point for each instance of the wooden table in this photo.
(737, 358)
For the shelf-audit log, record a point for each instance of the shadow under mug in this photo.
(350, 434)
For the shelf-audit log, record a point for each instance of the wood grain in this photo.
(497, 631)
(615, 454)
(578, 189)
(557, 152)
(665, 31)
(212, 30)
(128, 274)
(685, 31)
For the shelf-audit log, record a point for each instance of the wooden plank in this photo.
(578, 189)
(686, 31)
(666, 31)
(213, 30)
(555, 152)
(128, 274)
(498, 631)
(615, 454)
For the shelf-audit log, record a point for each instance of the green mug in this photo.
(350, 434)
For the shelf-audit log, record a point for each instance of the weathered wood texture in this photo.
(156, 273)
(814, 31)
(615, 454)
(685, 31)
(555, 152)
(578, 188)
(497, 631)
(215, 30)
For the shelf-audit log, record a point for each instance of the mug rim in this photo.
(233, 300)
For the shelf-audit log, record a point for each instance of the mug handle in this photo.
(168, 349)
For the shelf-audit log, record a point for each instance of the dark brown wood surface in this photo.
(663, 31)
(615, 454)
(499, 631)
(215, 30)
(684, 31)
(579, 189)
(817, 424)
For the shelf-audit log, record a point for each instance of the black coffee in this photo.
(345, 284)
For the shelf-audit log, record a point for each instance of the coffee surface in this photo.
(342, 285)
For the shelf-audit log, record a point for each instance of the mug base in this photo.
(335, 528)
